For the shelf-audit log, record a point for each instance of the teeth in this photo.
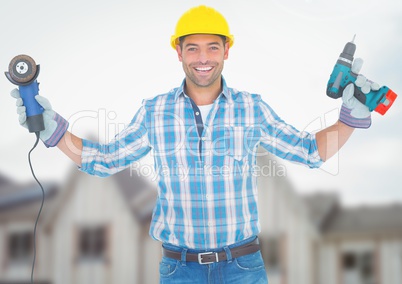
(203, 68)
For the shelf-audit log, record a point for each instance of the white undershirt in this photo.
(205, 109)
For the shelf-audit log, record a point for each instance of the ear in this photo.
(179, 53)
(226, 55)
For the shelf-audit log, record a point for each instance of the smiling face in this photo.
(203, 58)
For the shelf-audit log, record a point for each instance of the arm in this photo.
(331, 139)
(71, 145)
(285, 141)
(55, 133)
(353, 115)
(103, 160)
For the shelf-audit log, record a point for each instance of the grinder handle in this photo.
(34, 110)
(28, 94)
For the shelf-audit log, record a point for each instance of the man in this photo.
(206, 219)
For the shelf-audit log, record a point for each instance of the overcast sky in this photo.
(99, 59)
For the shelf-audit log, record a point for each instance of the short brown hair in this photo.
(181, 39)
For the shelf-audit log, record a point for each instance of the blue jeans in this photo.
(243, 270)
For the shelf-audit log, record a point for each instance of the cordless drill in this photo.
(23, 71)
(380, 100)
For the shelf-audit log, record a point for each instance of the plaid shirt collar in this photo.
(225, 91)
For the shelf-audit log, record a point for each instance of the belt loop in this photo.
(228, 254)
(183, 257)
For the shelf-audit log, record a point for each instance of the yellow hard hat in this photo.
(201, 20)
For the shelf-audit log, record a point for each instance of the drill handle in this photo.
(379, 100)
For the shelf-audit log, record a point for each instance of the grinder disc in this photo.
(22, 69)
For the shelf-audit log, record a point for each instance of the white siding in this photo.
(283, 214)
(391, 262)
(96, 201)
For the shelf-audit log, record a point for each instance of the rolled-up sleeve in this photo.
(285, 141)
(128, 146)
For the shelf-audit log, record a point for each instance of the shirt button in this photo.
(197, 113)
(207, 196)
(210, 223)
(203, 138)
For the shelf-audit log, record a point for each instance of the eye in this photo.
(191, 49)
(214, 48)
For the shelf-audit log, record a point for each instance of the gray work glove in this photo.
(55, 125)
(353, 112)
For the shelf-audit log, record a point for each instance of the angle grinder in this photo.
(23, 72)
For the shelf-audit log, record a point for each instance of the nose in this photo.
(203, 57)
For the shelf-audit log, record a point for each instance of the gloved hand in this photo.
(55, 125)
(354, 113)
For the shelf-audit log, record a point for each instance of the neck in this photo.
(203, 95)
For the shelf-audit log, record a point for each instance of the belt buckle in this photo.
(205, 253)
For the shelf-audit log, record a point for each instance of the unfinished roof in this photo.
(4, 181)
(333, 220)
(23, 200)
(322, 207)
(139, 192)
(379, 219)
(15, 195)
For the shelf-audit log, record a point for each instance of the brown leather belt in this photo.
(211, 257)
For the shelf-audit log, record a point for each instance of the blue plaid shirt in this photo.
(207, 185)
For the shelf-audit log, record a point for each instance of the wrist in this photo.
(347, 118)
(61, 126)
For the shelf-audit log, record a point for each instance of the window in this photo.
(358, 267)
(92, 243)
(20, 246)
(367, 267)
(349, 261)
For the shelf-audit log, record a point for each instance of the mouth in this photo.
(203, 69)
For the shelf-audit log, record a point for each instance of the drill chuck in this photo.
(348, 51)
(23, 71)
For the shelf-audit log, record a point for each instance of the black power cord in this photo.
(41, 206)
